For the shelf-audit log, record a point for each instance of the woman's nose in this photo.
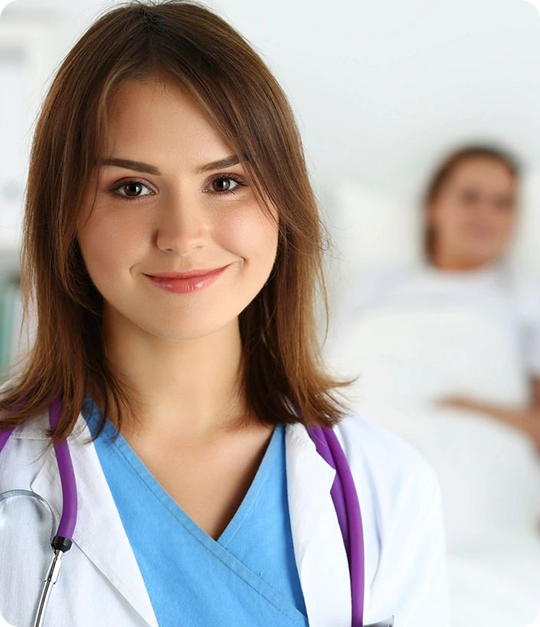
(182, 223)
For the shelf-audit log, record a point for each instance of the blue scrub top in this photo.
(247, 577)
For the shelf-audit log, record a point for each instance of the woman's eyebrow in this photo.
(139, 166)
(221, 163)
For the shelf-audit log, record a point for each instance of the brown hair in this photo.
(445, 170)
(186, 43)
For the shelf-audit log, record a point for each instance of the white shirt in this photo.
(100, 583)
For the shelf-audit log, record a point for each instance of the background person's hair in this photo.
(189, 45)
(444, 171)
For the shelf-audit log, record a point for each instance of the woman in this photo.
(449, 359)
(165, 146)
(471, 217)
(470, 207)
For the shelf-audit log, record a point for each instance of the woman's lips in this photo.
(185, 275)
(191, 284)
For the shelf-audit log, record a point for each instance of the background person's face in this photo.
(175, 221)
(473, 214)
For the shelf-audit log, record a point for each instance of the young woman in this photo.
(165, 148)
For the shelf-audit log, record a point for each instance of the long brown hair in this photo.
(186, 43)
(446, 168)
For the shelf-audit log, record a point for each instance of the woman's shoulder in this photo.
(391, 468)
(402, 523)
(365, 437)
(23, 454)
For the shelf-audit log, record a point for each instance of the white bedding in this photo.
(489, 472)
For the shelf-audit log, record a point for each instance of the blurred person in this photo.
(470, 214)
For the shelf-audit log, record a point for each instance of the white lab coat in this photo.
(101, 585)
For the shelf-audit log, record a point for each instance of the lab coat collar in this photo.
(318, 545)
(99, 532)
(319, 550)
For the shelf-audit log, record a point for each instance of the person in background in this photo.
(470, 213)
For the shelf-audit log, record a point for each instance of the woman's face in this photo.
(474, 213)
(172, 217)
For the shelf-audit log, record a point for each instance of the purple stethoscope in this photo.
(343, 494)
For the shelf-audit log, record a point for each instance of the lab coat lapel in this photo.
(318, 544)
(320, 554)
(99, 532)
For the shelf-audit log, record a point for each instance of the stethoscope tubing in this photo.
(63, 538)
(347, 507)
(343, 494)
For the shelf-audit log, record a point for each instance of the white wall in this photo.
(381, 90)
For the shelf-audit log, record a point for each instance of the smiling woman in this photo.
(174, 245)
(177, 219)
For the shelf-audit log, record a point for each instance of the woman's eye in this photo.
(126, 184)
(221, 184)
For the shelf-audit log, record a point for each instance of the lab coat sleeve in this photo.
(411, 580)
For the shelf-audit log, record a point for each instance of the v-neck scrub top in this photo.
(247, 577)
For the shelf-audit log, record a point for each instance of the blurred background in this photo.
(384, 93)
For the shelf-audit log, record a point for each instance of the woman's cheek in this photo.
(252, 232)
(108, 250)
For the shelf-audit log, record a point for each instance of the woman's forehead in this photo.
(483, 171)
(146, 128)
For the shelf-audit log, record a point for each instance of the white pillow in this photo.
(374, 228)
